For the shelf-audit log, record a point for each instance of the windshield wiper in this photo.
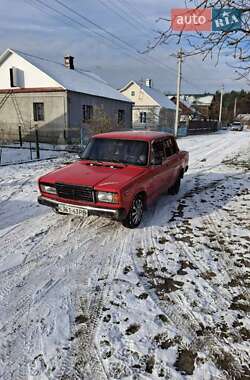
(93, 162)
(104, 162)
(115, 162)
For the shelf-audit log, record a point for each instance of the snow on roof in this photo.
(184, 102)
(203, 100)
(244, 116)
(155, 94)
(74, 80)
(158, 96)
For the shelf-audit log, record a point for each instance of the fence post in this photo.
(37, 145)
(81, 136)
(20, 135)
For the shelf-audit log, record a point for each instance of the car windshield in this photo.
(114, 150)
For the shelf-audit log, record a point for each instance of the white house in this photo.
(151, 109)
(55, 98)
(202, 103)
(244, 118)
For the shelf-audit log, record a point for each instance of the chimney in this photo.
(149, 82)
(69, 62)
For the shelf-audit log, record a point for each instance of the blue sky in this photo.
(29, 26)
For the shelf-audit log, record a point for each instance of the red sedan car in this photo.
(118, 175)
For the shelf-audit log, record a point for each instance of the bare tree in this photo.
(101, 123)
(235, 43)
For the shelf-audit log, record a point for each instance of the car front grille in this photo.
(75, 192)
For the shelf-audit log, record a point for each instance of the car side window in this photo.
(175, 146)
(170, 147)
(158, 150)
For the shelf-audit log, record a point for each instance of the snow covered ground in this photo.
(10, 155)
(89, 299)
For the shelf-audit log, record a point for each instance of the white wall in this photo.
(140, 98)
(32, 77)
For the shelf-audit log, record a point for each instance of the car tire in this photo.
(135, 213)
(176, 187)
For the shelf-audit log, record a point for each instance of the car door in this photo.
(172, 162)
(156, 174)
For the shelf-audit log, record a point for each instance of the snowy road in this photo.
(89, 299)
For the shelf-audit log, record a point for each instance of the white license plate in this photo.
(72, 210)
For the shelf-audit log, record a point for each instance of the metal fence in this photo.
(196, 127)
(56, 136)
(47, 138)
(22, 144)
(193, 127)
(18, 134)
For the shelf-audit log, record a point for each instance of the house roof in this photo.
(155, 94)
(183, 103)
(195, 99)
(73, 80)
(201, 100)
(187, 104)
(244, 116)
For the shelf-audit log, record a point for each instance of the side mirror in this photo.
(156, 160)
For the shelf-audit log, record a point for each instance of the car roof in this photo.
(133, 135)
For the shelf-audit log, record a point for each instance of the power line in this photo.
(68, 17)
(130, 14)
(118, 13)
(136, 10)
(164, 66)
(153, 60)
(128, 45)
(127, 16)
(37, 6)
(72, 20)
(118, 39)
(95, 24)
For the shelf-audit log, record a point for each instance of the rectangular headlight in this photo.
(103, 196)
(47, 189)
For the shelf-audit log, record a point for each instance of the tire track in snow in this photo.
(87, 360)
(216, 294)
(25, 303)
(73, 254)
(12, 277)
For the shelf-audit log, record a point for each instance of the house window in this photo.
(132, 93)
(143, 117)
(38, 111)
(121, 116)
(87, 113)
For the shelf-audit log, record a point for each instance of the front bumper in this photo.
(118, 214)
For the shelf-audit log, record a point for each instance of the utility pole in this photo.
(179, 60)
(221, 102)
(235, 107)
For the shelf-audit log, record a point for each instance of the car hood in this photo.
(82, 173)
